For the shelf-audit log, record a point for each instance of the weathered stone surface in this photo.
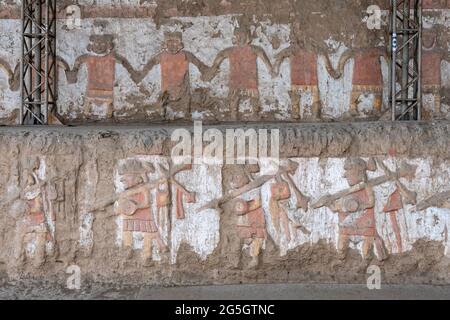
(109, 200)
(231, 60)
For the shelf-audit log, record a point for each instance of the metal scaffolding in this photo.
(405, 64)
(38, 63)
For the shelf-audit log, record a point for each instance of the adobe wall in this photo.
(115, 65)
(110, 201)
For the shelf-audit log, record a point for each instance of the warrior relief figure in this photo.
(101, 64)
(284, 202)
(135, 207)
(395, 204)
(243, 78)
(35, 234)
(243, 210)
(303, 60)
(356, 205)
(145, 203)
(175, 83)
(247, 214)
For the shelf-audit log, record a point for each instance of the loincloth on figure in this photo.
(141, 221)
(251, 221)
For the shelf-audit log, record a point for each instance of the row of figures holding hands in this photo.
(243, 83)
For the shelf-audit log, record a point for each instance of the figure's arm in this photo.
(14, 80)
(371, 199)
(338, 73)
(280, 57)
(260, 53)
(212, 72)
(203, 68)
(446, 56)
(72, 75)
(127, 65)
(140, 75)
(5, 66)
(13, 76)
(62, 64)
(446, 204)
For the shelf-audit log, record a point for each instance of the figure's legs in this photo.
(109, 109)
(127, 239)
(295, 103)
(157, 237)
(256, 105)
(19, 245)
(87, 107)
(162, 104)
(354, 101)
(343, 245)
(39, 254)
(381, 249)
(367, 246)
(396, 227)
(285, 223)
(378, 102)
(147, 251)
(437, 102)
(234, 99)
(255, 251)
(316, 103)
(275, 214)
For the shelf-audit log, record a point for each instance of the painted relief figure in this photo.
(356, 210)
(432, 57)
(395, 204)
(35, 229)
(250, 222)
(135, 207)
(175, 98)
(101, 65)
(243, 78)
(356, 205)
(281, 193)
(244, 210)
(146, 201)
(367, 74)
(303, 60)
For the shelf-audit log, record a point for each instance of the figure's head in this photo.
(173, 42)
(101, 44)
(355, 171)
(133, 173)
(297, 37)
(30, 166)
(429, 38)
(242, 37)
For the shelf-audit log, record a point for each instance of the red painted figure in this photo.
(367, 76)
(175, 82)
(432, 57)
(243, 74)
(101, 66)
(303, 60)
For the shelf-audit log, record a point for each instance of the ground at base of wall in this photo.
(282, 291)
